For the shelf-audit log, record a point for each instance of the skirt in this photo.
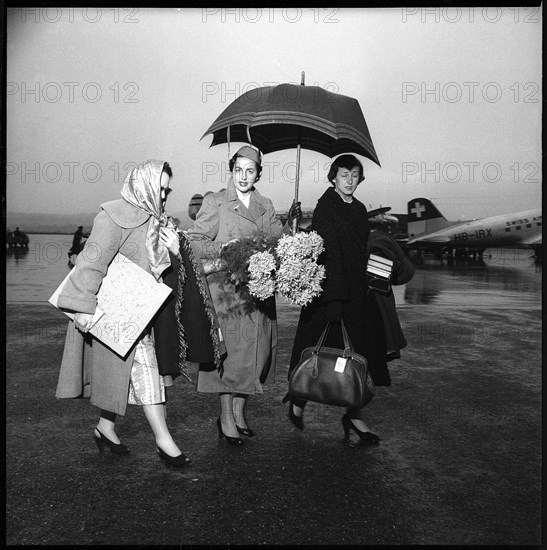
(146, 386)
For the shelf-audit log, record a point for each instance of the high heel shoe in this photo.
(365, 437)
(230, 440)
(245, 431)
(115, 448)
(179, 461)
(297, 421)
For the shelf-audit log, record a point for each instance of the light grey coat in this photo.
(250, 338)
(89, 368)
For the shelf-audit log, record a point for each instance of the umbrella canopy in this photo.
(275, 118)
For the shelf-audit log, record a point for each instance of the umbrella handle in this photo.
(296, 185)
(297, 179)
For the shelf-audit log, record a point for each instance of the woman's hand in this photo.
(295, 212)
(83, 321)
(212, 266)
(170, 239)
(228, 243)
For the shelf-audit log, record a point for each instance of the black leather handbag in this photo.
(332, 376)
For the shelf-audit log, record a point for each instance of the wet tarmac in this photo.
(503, 278)
(459, 461)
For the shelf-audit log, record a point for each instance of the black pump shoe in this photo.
(297, 421)
(229, 439)
(245, 431)
(115, 448)
(365, 437)
(177, 462)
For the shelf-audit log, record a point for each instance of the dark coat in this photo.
(193, 320)
(384, 245)
(185, 327)
(345, 231)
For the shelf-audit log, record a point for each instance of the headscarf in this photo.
(142, 189)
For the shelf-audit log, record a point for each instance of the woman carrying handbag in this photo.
(342, 222)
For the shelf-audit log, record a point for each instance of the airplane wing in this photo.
(440, 239)
(537, 240)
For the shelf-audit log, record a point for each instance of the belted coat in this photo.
(250, 337)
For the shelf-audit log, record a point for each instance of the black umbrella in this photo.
(275, 118)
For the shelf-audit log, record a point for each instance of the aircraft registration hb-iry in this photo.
(428, 229)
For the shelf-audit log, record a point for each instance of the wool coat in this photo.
(383, 244)
(250, 337)
(185, 327)
(89, 368)
(345, 231)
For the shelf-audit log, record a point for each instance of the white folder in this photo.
(127, 300)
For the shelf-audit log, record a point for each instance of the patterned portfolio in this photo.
(126, 302)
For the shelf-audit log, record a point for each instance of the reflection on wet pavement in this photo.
(503, 278)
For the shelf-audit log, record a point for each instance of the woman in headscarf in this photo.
(250, 336)
(138, 227)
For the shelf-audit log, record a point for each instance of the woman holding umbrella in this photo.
(342, 222)
(250, 337)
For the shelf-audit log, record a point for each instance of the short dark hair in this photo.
(232, 162)
(348, 162)
(167, 169)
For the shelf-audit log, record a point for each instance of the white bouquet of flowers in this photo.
(299, 275)
(290, 269)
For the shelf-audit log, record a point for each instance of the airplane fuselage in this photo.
(518, 229)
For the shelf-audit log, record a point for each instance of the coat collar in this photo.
(124, 214)
(256, 204)
(331, 197)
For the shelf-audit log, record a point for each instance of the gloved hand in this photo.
(295, 212)
(334, 312)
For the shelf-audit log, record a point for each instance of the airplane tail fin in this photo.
(424, 217)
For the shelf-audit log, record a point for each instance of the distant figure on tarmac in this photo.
(77, 245)
(17, 238)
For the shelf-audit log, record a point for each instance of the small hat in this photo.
(250, 153)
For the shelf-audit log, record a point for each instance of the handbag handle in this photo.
(348, 348)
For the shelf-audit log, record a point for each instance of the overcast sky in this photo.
(451, 97)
